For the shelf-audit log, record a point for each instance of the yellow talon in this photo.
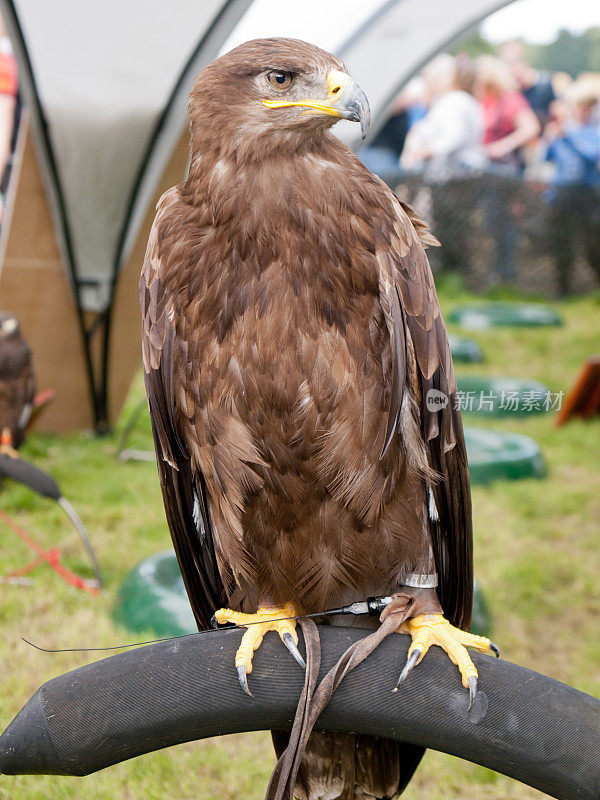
(433, 629)
(280, 619)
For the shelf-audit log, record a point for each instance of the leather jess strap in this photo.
(408, 603)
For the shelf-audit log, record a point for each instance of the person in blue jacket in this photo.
(572, 139)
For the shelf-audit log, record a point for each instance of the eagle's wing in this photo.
(418, 318)
(184, 492)
(26, 392)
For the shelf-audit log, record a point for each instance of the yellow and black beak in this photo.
(345, 99)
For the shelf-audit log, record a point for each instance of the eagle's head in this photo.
(274, 90)
(9, 326)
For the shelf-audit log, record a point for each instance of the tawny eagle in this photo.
(291, 336)
(17, 384)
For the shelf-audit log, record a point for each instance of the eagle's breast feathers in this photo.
(298, 342)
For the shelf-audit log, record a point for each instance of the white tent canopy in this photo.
(104, 74)
(399, 39)
(106, 84)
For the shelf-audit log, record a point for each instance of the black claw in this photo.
(291, 646)
(472, 691)
(410, 663)
(219, 626)
(495, 650)
(243, 679)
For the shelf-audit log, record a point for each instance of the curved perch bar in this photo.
(523, 724)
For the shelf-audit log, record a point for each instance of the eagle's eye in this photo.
(280, 79)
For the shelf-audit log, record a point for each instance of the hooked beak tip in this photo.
(355, 107)
(365, 123)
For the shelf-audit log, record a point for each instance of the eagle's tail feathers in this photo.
(346, 766)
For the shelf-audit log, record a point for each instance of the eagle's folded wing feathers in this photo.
(183, 490)
(407, 269)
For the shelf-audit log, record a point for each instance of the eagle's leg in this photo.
(6, 448)
(267, 618)
(429, 629)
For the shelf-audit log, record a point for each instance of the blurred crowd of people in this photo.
(500, 116)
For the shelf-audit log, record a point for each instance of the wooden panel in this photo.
(125, 351)
(34, 286)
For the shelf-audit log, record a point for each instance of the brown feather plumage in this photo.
(291, 330)
(17, 380)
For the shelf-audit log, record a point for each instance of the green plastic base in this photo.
(152, 598)
(493, 455)
(465, 350)
(501, 397)
(478, 316)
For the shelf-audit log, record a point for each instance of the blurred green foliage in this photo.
(568, 52)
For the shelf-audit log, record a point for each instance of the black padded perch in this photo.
(523, 724)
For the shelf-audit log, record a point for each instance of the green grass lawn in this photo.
(537, 557)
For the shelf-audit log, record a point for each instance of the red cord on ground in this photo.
(51, 557)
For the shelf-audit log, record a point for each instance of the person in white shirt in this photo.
(447, 147)
(448, 140)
